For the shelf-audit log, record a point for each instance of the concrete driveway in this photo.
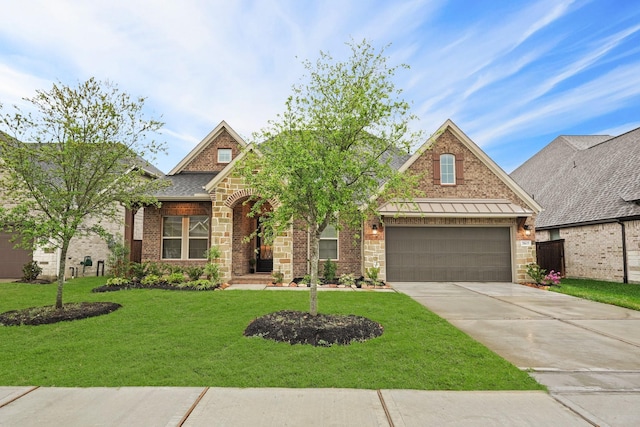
(586, 353)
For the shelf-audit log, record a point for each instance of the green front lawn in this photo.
(179, 338)
(623, 295)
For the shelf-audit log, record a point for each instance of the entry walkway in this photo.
(586, 353)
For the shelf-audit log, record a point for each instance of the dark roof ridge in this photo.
(616, 137)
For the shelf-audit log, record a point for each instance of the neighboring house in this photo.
(127, 231)
(589, 187)
(474, 223)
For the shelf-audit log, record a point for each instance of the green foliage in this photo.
(118, 260)
(81, 162)
(621, 294)
(194, 272)
(306, 279)
(278, 276)
(200, 284)
(212, 270)
(536, 273)
(117, 281)
(330, 268)
(138, 344)
(332, 148)
(150, 279)
(347, 279)
(31, 271)
(372, 273)
(174, 278)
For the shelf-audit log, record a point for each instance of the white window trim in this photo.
(221, 150)
(337, 239)
(184, 238)
(453, 169)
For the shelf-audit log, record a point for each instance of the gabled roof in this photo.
(594, 181)
(481, 155)
(222, 126)
(211, 185)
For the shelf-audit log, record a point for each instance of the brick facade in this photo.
(207, 160)
(478, 182)
(152, 233)
(595, 251)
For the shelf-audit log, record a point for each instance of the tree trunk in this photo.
(63, 265)
(314, 249)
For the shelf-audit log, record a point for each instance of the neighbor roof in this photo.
(584, 179)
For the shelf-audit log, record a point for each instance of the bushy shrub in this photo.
(372, 272)
(306, 279)
(118, 260)
(194, 272)
(31, 271)
(150, 279)
(553, 278)
(536, 273)
(347, 279)
(117, 281)
(330, 268)
(174, 278)
(278, 276)
(200, 284)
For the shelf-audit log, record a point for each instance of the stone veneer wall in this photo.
(230, 192)
(595, 251)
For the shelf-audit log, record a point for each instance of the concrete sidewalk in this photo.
(586, 353)
(197, 406)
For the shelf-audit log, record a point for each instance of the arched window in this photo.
(447, 169)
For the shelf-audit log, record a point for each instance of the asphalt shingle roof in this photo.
(582, 179)
(186, 185)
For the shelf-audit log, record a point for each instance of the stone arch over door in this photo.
(242, 226)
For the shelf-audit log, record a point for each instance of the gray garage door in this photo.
(11, 260)
(439, 254)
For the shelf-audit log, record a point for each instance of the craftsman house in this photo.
(474, 224)
(589, 188)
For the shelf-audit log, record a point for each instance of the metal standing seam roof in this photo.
(456, 208)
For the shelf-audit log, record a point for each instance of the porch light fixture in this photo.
(374, 227)
(527, 231)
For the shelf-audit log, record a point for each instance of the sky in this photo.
(513, 75)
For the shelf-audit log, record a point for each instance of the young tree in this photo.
(77, 155)
(324, 159)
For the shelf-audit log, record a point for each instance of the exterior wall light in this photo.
(374, 229)
(527, 231)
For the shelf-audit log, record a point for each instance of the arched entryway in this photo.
(248, 243)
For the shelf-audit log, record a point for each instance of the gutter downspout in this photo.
(625, 272)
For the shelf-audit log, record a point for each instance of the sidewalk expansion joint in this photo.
(19, 396)
(193, 406)
(384, 407)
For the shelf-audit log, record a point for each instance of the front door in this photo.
(264, 254)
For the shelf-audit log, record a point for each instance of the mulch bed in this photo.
(49, 314)
(296, 327)
(159, 285)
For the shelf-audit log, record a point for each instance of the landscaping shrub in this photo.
(330, 268)
(194, 272)
(31, 271)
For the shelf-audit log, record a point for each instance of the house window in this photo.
(224, 155)
(185, 237)
(329, 243)
(447, 169)
(554, 234)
